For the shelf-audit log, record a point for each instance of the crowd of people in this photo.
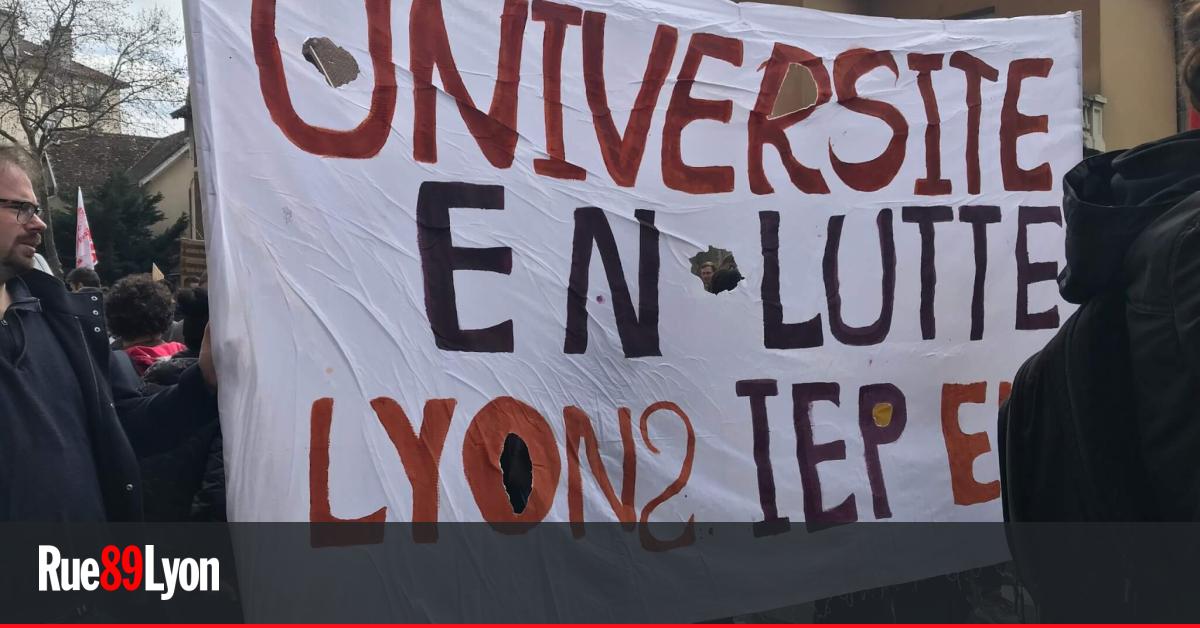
(160, 331)
(97, 427)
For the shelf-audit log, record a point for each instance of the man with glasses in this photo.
(69, 427)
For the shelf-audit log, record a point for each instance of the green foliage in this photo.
(121, 217)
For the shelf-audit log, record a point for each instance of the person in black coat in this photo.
(1133, 266)
(188, 482)
(70, 435)
(1102, 423)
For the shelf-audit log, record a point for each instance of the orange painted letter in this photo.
(579, 428)
(420, 455)
(689, 534)
(319, 509)
(962, 449)
(481, 462)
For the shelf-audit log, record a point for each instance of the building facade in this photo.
(60, 79)
(1131, 93)
(166, 169)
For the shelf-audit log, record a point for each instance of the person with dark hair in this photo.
(81, 278)
(175, 330)
(139, 314)
(726, 277)
(69, 424)
(193, 304)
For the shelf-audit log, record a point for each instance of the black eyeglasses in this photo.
(25, 210)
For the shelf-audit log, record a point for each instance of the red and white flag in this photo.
(85, 249)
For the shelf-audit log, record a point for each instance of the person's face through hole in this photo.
(706, 274)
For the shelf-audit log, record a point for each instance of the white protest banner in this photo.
(487, 220)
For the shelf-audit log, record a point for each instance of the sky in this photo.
(174, 8)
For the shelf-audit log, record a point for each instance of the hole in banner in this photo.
(518, 472)
(333, 62)
(798, 92)
(717, 270)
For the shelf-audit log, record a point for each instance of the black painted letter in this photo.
(926, 218)
(776, 333)
(876, 332)
(810, 454)
(440, 258)
(1029, 273)
(758, 390)
(979, 217)
(882, 415)
(638, 331)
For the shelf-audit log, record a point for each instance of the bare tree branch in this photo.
(69, 68)
(9, 136)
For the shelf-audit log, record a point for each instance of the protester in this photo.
(1102, 423)
(707, 270)
(68, 431)
(720, 279)
(726, 277)
(188, 482)
(193, 305)
(175, 331)
(83, 279)
(1133, 264)
(139, 314)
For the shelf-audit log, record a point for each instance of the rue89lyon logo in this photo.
(131, 568)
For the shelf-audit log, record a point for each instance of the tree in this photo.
(121, 216)
(101, 68)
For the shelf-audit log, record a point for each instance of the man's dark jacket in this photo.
(120, 420)
(1104, 423)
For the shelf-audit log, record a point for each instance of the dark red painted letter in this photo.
(365, 140)
(873, 175)
(496, 130)
(684, 110)
(765, 130)
(1014, 125)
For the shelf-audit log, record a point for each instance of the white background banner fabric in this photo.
(487, 220)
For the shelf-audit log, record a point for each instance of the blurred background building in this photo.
(1130, 48)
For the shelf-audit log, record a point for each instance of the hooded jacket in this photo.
(120, 420)
(1104, 423)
